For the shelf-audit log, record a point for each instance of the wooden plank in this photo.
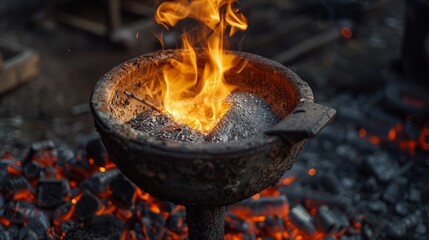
(19, 69)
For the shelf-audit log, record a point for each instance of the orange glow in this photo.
(4, 221)
(313, 211)
(424, 139)
(358, 225)
(12, 170)
(299, 237)
(392, 134)
(312, 172)
(346, 32)
(74, 201)
(102, 169)
(91, 161)
(190, 94)
(289, 180)
(362, 132)
(256, 196)
(375, 140)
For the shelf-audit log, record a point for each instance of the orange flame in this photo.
(191, 95)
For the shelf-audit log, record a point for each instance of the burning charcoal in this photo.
(14, 185)
(32, 170)
(273, 225)
(5, 235)
(52, 192)
(264, 206)
(326, 220)
(39, 146)
(248, 116)
(381, 166)
(96, 151)
(302, 220)
(160, 125)
(87, 206)
(99, 181)
(234, 224)
(313, 199)
(176, 222)
(19, 212)
(66, 156)
(122, 192)
(154, 224)
(400, 228)
(107, 226)
(394, 190)
(61, 213)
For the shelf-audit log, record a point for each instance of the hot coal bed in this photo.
(364, 177)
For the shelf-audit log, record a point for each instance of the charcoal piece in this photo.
(62, 211)
(176, 222)
(68, 225)
(87, 206)
(367, 231)
(401, 208)
(66, 156)
(19, 212)
(32, 170)
(39, 146)
(161, 125)
(3, 169)
(83, 234)
(99, 181)
(273, 225)
(264, 206)
(370, 185)
(415, 196)
(14, 185)
(122, 192)
(377, 206)
(154, 224)
(107, 226)
(14, 231)
(302, 220)
(39, 225)
(326, 221)
(96, 151)
(52, 192)
(381, 166)
(5, 235)
(399, 229)
(26, 233)
(1, 201)
(248, 116)
(394, 190)
(342, 220)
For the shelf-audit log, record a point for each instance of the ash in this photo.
(248, 116)
(161, 125)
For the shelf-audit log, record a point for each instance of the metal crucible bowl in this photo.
(206, 177)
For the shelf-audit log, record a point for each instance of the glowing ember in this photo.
(192, 95)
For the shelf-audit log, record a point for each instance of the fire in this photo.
(189, 94)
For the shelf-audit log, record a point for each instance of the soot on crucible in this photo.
(248, 116)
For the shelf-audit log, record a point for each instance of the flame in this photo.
(189, 94)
